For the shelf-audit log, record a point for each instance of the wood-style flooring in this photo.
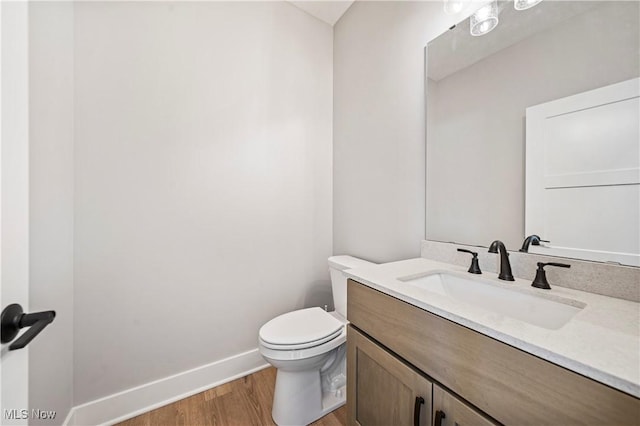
(246, 401)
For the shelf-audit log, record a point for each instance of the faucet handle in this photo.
(540, 281)
(559, 265)
(475, 266)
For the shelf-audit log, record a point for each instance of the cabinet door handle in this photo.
(416, 410)
(439, 416)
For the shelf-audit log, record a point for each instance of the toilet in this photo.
(308, 347)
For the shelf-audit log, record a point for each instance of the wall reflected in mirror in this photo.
(478, 93)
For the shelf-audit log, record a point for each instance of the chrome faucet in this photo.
(505, 266)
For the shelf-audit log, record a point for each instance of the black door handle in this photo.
(416, 410)
(439, 416)
(13, 319)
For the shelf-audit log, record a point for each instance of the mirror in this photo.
(479, 90)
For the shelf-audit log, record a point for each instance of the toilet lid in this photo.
(302, 328)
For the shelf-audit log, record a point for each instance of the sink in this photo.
(513, 303)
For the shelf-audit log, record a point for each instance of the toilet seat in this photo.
(304, 345)
(301, 354)
(301, 329)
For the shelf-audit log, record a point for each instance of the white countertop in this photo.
(601, 342)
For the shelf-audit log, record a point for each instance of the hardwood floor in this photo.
(246, 401)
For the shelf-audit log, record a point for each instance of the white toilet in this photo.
(308, 348)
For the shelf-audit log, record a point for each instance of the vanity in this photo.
(419, 354)
(531, 131)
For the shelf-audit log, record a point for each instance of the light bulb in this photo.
(452, 7)
(484, 19)
(525, 4)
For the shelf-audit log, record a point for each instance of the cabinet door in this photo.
(450, 411)
(381, 389)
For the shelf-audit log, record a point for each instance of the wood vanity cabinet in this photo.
(449, 410)
(387, 391)
(397, 352)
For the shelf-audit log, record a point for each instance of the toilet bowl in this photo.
(308, 348)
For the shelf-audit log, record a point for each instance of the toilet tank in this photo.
(337, 264)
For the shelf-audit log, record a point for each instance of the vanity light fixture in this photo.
(525, 4)
(484, 19)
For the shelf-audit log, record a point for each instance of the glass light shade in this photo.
(525, 4)
(484, 19)
(452, 7)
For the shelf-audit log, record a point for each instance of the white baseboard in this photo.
(135, 401)
(70, 419)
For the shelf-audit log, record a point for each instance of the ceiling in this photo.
(326, 10)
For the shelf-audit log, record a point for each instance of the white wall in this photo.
(379, 127)
(203, 182)
(51, 204)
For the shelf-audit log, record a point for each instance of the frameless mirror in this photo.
(529, 103)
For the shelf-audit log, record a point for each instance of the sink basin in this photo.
(513, 303)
